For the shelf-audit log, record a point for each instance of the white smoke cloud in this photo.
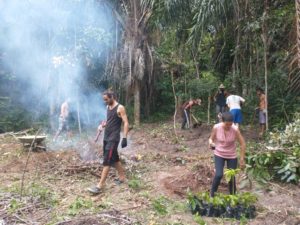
(53, 47)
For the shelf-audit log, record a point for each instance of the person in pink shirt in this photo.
(223, 142)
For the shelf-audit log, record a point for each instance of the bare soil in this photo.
(160, 170)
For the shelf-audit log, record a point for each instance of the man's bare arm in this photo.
(123, 115)
(243, 148)
(212, 138)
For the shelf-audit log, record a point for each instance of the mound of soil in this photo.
(199, 179)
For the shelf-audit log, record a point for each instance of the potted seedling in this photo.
(248, 200)
(218, 203)
(229, 176)
(194, 203)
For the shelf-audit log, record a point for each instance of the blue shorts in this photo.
(237, 115)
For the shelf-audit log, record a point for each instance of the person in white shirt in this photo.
(234, 104)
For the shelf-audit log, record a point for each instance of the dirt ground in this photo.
(49, 187)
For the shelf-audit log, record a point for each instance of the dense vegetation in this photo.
(154, 44)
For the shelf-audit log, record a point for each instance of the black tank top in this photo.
(113, 125)
(221, 99)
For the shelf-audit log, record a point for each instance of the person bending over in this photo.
(234, 103)
(222, 140)
(186, 108)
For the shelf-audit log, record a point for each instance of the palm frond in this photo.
(209, 13)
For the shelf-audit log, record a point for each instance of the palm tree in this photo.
(134, 62)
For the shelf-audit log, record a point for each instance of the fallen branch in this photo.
(27, 160)
(282, 188)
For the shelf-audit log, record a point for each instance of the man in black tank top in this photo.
(116, 114)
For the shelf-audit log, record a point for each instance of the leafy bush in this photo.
(290, 136)
(281, 161)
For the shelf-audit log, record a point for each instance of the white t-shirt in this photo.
(234, 101)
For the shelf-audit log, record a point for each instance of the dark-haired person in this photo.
(116, 114)
(220, 100)
(262, 110)
(63, 119)
(223, 142)
(186, 108)
(234, 103)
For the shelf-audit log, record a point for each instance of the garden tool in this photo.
(197, 124)
(99, 130)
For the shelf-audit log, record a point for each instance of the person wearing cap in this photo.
(234, 103)
(186, 107)
(220, 100)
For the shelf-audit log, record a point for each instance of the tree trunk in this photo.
(175, 105)
(266, 47)
(298, 29)
(208, 109)
(52, 114)
(137, 104)
(78, 117)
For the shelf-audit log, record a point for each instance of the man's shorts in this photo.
(237, 115)
(110, 153)
(63, 124)
(262, 117)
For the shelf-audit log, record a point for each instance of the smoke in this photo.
(56, 50)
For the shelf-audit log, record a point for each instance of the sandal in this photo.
(118, 181)
(94, 190)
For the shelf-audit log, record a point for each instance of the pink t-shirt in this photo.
(225, 145)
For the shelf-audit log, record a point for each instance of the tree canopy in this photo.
(80, 48)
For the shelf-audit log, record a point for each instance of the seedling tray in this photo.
(204, 208)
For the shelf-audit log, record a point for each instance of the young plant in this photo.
(159, 205)
(79, 204)
(247, 199)
(230, 174)
(198, 219)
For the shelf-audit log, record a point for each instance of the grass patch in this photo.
(135, 184)
(14, 205)
(36, 191)
(164, 206)
(78, 205)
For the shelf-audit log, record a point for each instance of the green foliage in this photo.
(282, 162)
(290, 136)
(45, 195)
(198, 219)
(204, 86)
(274, 165)
(14, 205)
(135, 183)
(230, 173)
(78, 205)
(12, 116)
(36, 191)
(160, 205)
(244, 199)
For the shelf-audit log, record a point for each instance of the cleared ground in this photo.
(160, 170)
